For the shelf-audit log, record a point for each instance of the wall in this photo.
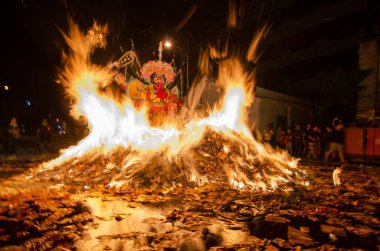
(369, 58)
(269, 105)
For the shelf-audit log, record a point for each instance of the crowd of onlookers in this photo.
(310, 142)
(10, 135)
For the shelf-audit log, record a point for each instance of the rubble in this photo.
(217, 158)
(333, 230)
(211, 217)
(39, 219)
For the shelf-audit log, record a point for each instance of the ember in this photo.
(168, 165)
(214, 216)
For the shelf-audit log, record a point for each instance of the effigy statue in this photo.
(151, 87)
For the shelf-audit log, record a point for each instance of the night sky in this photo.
(31, 42)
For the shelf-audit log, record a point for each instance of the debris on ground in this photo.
(215, 216)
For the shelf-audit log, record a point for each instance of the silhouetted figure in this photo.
(279, 134)
(336, 141)
(312, 142)
(307, 132)
(297, 139)
(44, 134)
(325, 142)
(267, 135)
(289, 140)
(13, 135)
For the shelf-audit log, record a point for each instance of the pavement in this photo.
(28, 145)
(28, 153)
(46, 215)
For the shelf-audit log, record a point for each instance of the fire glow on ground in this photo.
(198, 182)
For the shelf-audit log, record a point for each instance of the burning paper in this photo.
(216, 148)
(336, 173)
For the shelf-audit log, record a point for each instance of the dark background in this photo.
(31, 43)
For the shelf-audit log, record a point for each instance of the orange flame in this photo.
(117, 127)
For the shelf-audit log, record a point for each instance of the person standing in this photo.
(289, 140)
(279, 135)
(307, 132)
(312, 141)
(13, 135)
(318, 136)
(44, 134)
(297, 139)
(325, 142)
(267, 135)
(336, 141)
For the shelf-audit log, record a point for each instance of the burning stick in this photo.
(336, 173)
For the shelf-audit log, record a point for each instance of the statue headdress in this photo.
(158, 70)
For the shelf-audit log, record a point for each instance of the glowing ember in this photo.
(123, 149)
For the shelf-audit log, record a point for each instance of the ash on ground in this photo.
(217, 158)
(47, 216)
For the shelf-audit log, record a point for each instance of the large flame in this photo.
(124, 138)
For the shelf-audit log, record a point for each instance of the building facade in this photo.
(269, 107)
(310, 40)
(368, 106)
(278, 109)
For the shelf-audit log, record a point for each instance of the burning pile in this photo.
(215, 159)
(123, 149)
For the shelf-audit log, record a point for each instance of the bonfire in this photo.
(191, 182)
(124, 148)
